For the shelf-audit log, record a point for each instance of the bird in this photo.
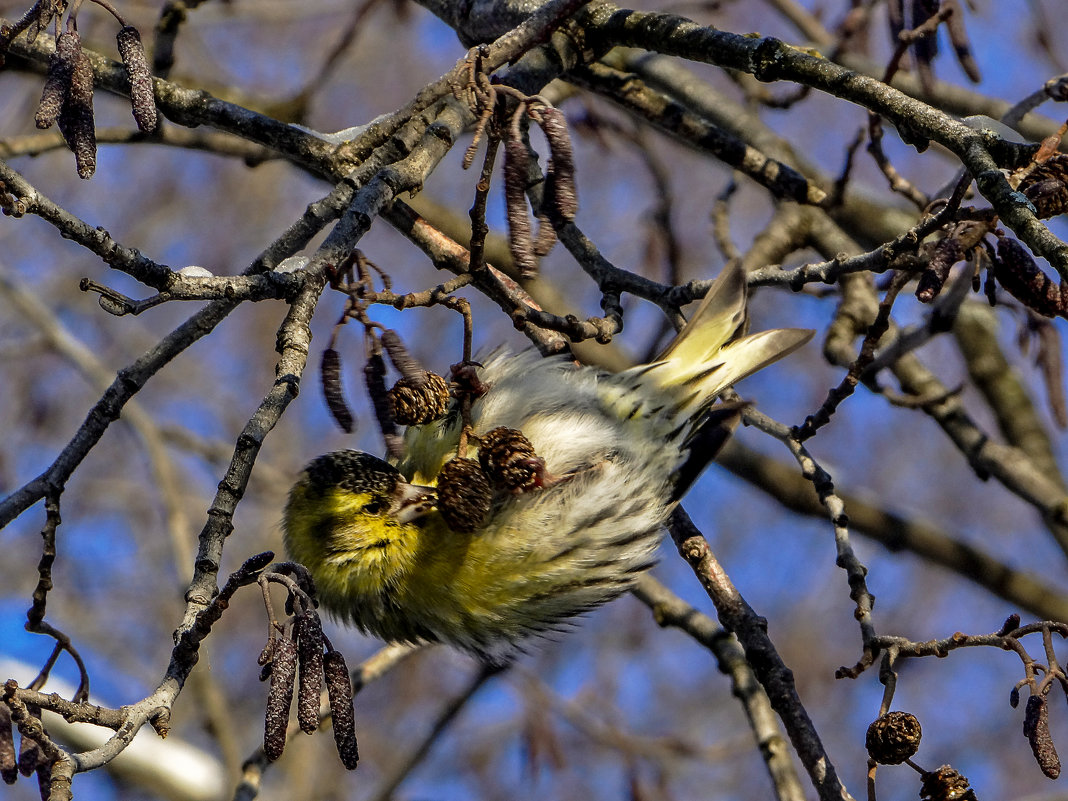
(608, 455)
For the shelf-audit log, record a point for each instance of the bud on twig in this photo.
(339, 690)
(520, 243)
(57, 83)
(76, 121)
(374, 375)
(1023, 279)
(959, 239)
(279, 697)
(945, 254)
(333, 392)
(1046, 186)
(142, 97)
(560, 175)
(249, 568)
(1012, 622)
(309, 633)
(1036, 730)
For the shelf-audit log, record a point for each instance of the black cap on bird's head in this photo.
(354, 471)
(363, 474)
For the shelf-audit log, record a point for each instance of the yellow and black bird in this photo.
(615, 452)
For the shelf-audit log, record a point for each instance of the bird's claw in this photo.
(465, 380)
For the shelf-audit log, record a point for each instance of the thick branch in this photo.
(752, 631)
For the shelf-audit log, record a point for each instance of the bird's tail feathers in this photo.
(745, 356)
(720, 317)
(705, 441)
(708, 355)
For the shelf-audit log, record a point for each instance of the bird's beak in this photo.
(410, 502)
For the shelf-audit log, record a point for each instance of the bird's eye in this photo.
(377, 506)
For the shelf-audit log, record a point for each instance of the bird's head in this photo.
(354, 521)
